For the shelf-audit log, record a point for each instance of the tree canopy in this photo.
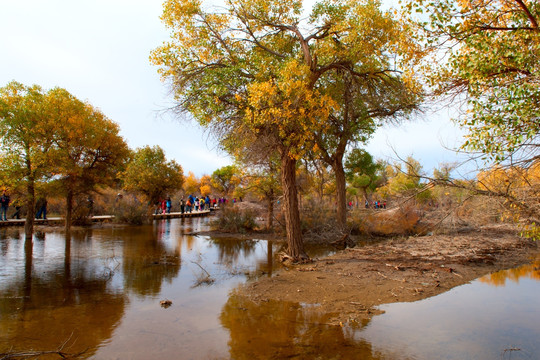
(52, 135)
(88, 150)
(151, 174)
(25, 139)
(225, 179)
(362, 171)
(255, 70)
(489, 53)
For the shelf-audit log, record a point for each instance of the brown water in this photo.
(100, 291)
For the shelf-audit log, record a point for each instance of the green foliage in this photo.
(225, 179)
(492, 54)
(25, 133)
(262, 182)
(150, 174)
(362, 172)
(405, 183)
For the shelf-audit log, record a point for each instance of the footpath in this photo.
(104, 218)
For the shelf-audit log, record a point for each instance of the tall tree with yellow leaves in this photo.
(88, 150)
(486, 54)
(366, 67)
(256, 70)
(26, 139)
(150, 174)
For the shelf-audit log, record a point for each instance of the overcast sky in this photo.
(99, 50)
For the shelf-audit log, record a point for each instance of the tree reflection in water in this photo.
(148, 260)
(69, 301)
(499, 278)
(284, 330)
(233, 253)
(62, 287)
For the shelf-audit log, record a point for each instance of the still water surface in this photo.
(101, 289)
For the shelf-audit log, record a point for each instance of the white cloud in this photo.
(99, 51)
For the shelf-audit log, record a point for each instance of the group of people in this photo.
(376, 204)
(5, 200)
(190, 204)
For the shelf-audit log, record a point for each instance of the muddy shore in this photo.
(350, 284)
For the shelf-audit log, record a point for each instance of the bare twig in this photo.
(203, 269)
(30, 354)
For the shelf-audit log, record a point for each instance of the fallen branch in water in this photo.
(203, 269)
(202, 280)
(31, 354)
(509, 350)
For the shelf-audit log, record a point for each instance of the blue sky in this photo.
(99, 51)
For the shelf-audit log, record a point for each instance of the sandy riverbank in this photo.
(351, 283)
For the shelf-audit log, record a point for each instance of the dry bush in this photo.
(104, 201)
(129, 210)
(319, 225)
(403, 220)
(235, 220)
(56, 206)
(519, 191)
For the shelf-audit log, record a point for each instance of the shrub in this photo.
(232, 219)
(397, 221)
(319, 224)
(129, 210)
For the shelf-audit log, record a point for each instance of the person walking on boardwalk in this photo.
(41, 206)
(163, 206)
(90, 205)
(182, 205)
(168, 204)
(5, 205)
(201, 204)
(191, 202)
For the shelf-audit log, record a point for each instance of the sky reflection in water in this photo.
(102, 288)
(479, 320)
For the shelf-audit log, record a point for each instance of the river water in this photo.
(100, 291)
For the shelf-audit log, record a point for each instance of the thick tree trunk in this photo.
(366, 196)
(292, 214)
(270, 211)
(30, 209)
(339, 171)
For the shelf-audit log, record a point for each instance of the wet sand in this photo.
(351, 283)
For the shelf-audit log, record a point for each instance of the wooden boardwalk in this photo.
(176, 215)
(55, 221)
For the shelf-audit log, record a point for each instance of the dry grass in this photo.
(233, 219)
(387, 222)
